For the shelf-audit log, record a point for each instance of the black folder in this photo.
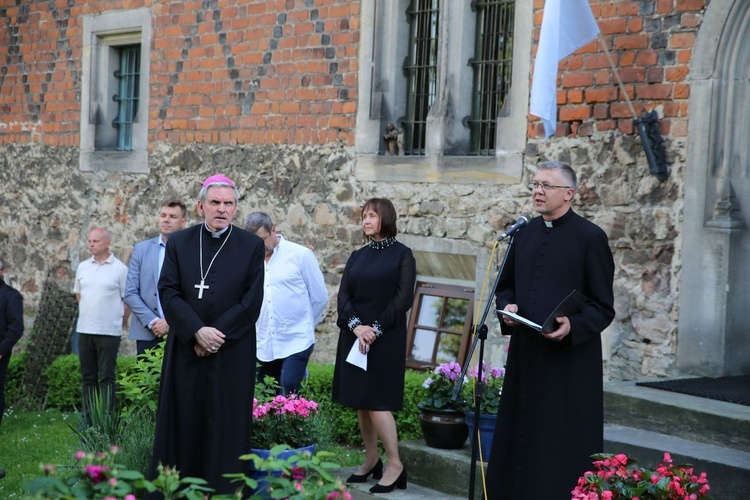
(569, 305)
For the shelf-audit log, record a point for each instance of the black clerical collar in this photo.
(560, 220)
(215, 234)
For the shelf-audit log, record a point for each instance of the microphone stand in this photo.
(480, 335)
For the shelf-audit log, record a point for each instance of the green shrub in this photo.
(64, 383)
(64, 380)
(343, 420)
(138, 385)
(16, 367)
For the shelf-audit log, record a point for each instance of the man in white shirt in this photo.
(99, 289)
(148, 326)
(294, 299)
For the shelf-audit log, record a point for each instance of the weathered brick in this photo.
(596, 95)
(655, 91)
(684, 5)
(571, 113)
(631, 42)
(677, 73)
(682, 40)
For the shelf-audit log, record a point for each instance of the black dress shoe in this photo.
(399, 483)
(2, 473)
(376, 471)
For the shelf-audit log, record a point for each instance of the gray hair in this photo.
(565, 169)
(204, 191)
(257, 220)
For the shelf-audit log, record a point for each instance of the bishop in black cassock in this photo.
(205, 402)
(550, 418)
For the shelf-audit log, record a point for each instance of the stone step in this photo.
(413, 491)
(728, 469)
(688, 417)
(447, 471)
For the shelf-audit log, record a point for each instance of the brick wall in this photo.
(651, 43)
(229, 71)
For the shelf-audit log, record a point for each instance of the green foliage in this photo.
(97, 476)
(137, 440)
(343, 420)
(138, 385)
(296, 477)
(64, 380)
(101, 427)
(407, 420)
(16, 367)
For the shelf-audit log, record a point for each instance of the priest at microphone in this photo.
(551, 407)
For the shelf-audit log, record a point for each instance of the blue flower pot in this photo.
(265, 454)
(486, 431)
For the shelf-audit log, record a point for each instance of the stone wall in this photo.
(267, 91)
(311, 193)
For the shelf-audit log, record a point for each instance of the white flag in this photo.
(567, 26)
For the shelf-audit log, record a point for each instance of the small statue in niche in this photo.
(394, 140)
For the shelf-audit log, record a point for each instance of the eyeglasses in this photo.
(544, 186)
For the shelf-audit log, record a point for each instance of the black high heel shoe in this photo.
(399, 483)
(376, 471)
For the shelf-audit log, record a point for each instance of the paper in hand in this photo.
(357, 358)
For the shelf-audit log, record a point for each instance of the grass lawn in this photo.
(29, 439)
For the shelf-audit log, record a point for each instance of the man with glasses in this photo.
(294, 300)
(11, 329)
(552, 400)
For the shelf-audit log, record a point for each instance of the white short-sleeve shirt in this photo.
(102, 288)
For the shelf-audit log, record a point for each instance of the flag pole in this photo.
(647, 126)
(617, 75)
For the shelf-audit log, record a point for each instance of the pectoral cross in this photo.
(200, 288)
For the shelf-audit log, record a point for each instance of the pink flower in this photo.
(96, 473)
(606, 495)
(80, 455)
(130, 496)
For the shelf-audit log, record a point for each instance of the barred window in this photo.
(127, 95)
(492, 64)
(421, 71)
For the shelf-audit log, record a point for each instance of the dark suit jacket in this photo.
(11, 318)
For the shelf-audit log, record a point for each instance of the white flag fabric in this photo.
(567, 25)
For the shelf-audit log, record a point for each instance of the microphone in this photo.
(522, 221)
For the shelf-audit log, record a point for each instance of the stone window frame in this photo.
(101, 34)
(382, 91)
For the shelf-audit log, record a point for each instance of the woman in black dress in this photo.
(377, 289)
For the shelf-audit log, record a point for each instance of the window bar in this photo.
(127, 97)
(421, 71)
(492, 65)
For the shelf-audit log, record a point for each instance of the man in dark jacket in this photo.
(551, 408)
(11, 329)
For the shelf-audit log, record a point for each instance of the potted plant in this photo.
(617, 476)
(441, 418)
(283, 420)
(492, 386)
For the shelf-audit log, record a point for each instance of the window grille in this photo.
(421, 72)
(128, 76)
(492, 64)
